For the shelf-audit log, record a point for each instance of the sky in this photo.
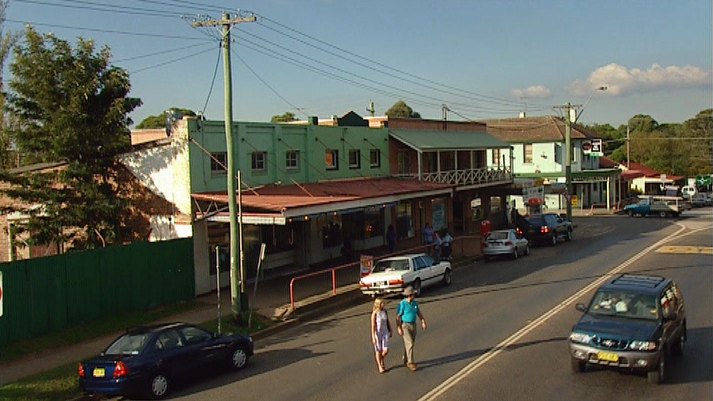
(482, 59)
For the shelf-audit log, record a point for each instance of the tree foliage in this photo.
(7, 40)
(159, 121)
(284, 118)
(401, 110)
(71, 107)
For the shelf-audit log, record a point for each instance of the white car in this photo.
(505, 242)
(392, 275)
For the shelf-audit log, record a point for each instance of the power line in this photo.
(158, 53)
(169, 62)
(212, 81)
(88, 5)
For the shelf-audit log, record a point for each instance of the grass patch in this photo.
(87, 331)
(58, 384)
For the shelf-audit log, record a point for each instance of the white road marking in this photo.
(492, 353)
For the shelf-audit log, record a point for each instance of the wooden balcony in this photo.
(470, 177)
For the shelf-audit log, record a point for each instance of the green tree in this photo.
(72, 106)
(285, 118)
(401, 110)
(699, 130)
(7, 40)
(610, 136)
(159, 121)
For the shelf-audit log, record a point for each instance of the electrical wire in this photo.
(212, 81)
(169, 62)
(106, 8)
(158, 53)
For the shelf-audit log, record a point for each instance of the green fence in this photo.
(51, 293)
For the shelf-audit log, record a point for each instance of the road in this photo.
(499, 331)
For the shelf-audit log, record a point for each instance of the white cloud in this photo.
(622, 81)
(536, 91)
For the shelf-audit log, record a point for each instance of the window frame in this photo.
(215, 165)
(527, 159)
(377, 163)
(255, 161)
(334, 153)
(356, 163)
(288, 159)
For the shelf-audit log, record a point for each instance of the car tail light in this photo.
(396, 282)
(518, 231)
(363, 284)
(544, 229)
(81, 371)
(120, 370)
(508, 243)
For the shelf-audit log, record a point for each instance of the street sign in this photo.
(593, 148)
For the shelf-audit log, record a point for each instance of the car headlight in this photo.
(643, 345)
(580, 337)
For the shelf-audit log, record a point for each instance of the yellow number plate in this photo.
(99, 372)
(608, 356)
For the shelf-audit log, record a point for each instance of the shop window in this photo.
(375, 158)
(404, 221)
(292, 160)
(364, 224)
(332, 232)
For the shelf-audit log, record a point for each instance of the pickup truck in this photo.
(663, 206)
(392, 275)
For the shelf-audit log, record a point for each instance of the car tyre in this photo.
(578, 366)
(159, 386)
(238, 358)
(515, 254)
(527, 250)
(680, 345)
(417, 286)
(569, 236)
(658, 376)
(553, 241)
(447, 277)
(631, 213)
(663, 214)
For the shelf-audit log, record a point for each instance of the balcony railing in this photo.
(469, 177)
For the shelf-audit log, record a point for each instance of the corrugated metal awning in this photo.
(426, 140)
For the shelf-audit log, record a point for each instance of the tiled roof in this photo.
(535, 129)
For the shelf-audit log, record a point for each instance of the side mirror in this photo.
(581, 307)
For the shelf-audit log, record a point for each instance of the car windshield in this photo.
(624, 304)
(498, 235)
(391, 265)
(536, 220)
(128, 344)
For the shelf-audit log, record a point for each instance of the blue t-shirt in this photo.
(408, 311)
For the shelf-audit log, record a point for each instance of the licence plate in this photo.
(99, 372)
(608, 356)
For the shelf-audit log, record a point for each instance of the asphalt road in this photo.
(499, 332)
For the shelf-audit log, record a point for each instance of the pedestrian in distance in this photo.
(406, 314)
(437, 242)
(428, 237)
(446, 245)
(391, 238)
(380, 333)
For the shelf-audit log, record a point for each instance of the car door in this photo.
(172, 356)
(201, 345)
(670, 307)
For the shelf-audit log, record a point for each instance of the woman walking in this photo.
(380, 333)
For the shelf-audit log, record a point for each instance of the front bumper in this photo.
(638, 360)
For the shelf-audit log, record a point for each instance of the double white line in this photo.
(493, 352)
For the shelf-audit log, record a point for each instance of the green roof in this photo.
(424, 140)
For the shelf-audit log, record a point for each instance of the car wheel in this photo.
(417, 286)
(578, 366)
(447, 277)
(527, 249)
(515, 254)
(159, 386)
(680, 345)
(238, 358)
(569, 236)
(663, 214)
(553, 241)
(631, 213)
(657, 376)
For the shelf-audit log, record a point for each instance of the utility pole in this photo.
(237, 289)
(570, 117)
(628, 160)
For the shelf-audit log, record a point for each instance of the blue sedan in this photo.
(149, 360)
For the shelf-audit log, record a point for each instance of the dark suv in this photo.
(547, 228)
(633, 322)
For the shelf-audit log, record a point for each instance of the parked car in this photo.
(547, 228)
(150, 360)
(508, 242)
(663, 206)
(700, 199)
(633, 322)
(392, 275)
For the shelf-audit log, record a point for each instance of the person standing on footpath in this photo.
(428, 237)
(391, 238)
(406, 314)
(380, 333)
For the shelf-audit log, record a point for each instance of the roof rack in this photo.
(635, 279)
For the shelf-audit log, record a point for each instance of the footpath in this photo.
(272, 299)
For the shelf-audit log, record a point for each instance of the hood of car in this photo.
(617, 327)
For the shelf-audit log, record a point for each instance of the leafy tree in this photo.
(7, 40)
(401, 110)
(285, 118)
(72, 106)
(699, 130)
(159, 121)
(610, 136)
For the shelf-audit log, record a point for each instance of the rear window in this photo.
(498, 235)
(391, 265)
(536, 220)
(128, 344)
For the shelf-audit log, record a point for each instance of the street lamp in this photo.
(571, 117)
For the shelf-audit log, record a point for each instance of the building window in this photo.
(558, 153)
(292, 160)
(527, 153)
(219, 163)
(496, 157)
(403, 162)
(331, 159)
(375, 158)
(354, 158)
(259, 161)
(404, 221)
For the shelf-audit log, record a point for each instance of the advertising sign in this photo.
(593, 147)
(534, 195)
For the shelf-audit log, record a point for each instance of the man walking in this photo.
(406, 314)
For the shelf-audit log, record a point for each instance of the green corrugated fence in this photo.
(51, 293)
